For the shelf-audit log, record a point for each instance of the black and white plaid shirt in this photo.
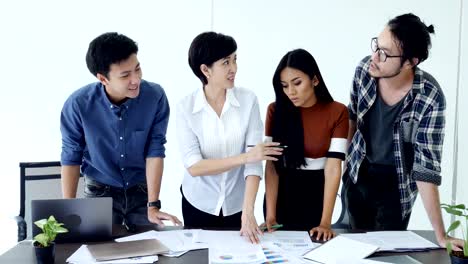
(418, 132)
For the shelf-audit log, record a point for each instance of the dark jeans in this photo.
(374, 201)
(195, 218)
(129, 205)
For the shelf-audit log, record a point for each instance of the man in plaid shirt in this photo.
(396, 134)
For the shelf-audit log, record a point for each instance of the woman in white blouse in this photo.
(216, 124)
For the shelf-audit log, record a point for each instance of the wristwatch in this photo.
(156, 204)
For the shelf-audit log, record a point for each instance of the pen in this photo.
(280, 146)
(263, 228)
(130, 227)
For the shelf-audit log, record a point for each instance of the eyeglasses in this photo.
(381, 53)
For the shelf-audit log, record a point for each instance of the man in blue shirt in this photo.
(397, 120)
(115, 130)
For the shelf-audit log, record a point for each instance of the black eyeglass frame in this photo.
(375, 45)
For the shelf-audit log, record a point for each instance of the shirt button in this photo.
(121, 138)
(112, 106)
(128, 183)
(122, 169)
(121, 155)
(120, 118)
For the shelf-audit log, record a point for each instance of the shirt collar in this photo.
(201, 103)
(418, 83)
(417, 86)
(108, 103)
(231, 97)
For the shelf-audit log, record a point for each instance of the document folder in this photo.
(130, 249)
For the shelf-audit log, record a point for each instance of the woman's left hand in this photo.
(250, 228)
(326, 233)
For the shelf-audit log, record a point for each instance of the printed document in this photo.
(396, 241)
(333, 250)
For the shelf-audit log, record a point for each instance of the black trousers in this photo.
(299, 203)
(195, 218)
(374, 201)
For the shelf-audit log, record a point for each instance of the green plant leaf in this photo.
(448, 245)
(60, 229)
(465, 248)
(40, 223)
(453, 206)
(50, 228)
(453, 226)
(459, 206)
(453, 211)
(42, 239)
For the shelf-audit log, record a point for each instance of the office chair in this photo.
(38, 180)
(343, 220)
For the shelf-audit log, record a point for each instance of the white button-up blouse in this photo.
(202, 134)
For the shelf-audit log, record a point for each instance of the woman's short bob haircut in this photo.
(207, 48)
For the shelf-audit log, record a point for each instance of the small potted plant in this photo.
(460, 212)
(44, 242)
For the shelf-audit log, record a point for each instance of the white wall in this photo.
(43, 62)
(462, 181)
(338, 34)
(44, 44)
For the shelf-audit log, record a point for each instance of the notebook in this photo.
(87, 219)
(128, 249)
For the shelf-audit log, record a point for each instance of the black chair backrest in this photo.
(40, 180)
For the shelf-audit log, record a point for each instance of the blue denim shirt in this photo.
(111, 142)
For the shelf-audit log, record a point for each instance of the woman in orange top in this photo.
(301, 187)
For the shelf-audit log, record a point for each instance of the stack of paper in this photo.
(127, 249)
(395, 241)
(178, 241)
(400, 259)
(228, 247)
(83, 256)
(334, 250)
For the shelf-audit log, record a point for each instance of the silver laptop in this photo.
(87, 219)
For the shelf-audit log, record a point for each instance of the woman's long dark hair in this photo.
(287, 125)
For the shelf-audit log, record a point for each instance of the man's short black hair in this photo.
(207, 48)
(107, 49)
(412, 35)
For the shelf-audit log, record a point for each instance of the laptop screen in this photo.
(87, 219)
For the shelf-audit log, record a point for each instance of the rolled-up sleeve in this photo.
(73, 140)
(429, 143)
(159, 128)
(253, 137)
(189, 146)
